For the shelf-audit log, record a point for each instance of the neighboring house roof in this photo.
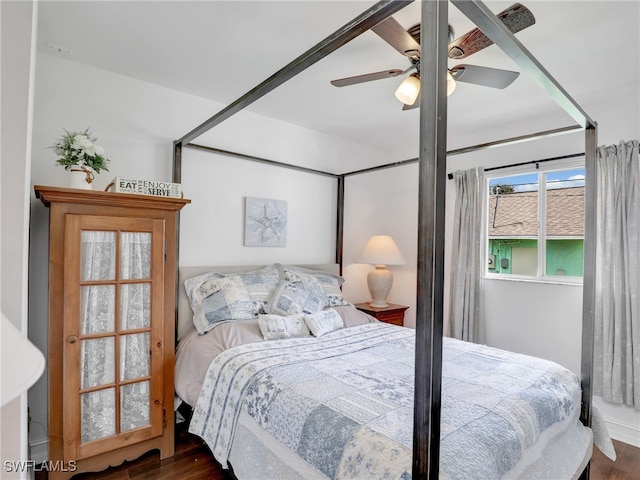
(516, 214)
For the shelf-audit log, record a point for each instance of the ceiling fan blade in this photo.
(517, 17)
(485, 76)
(367, 77)
(395, 35)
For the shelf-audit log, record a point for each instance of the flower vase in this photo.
(81, 178)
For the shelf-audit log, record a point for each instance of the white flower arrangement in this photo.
(78, 149)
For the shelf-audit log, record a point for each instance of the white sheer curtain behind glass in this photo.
(98, 317)
(617, 310)
(98, 355)
(135, 313)
(466, 317)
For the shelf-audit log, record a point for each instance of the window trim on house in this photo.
(543, 169)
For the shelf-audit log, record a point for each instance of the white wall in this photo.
(18, 20)
(136, 123)
(383, 202)
(217, 186)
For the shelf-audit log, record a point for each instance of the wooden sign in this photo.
(145, 187)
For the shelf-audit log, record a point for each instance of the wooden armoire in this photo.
(112, 270)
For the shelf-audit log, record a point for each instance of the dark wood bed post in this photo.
(431, 214)
(589, 276)
(176, 173)
(589, 283)
(340, 222)
(176, 177)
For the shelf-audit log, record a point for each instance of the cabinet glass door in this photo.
(116, 291)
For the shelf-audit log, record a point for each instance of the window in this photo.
(536, 223)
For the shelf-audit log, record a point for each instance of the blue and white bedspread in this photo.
(344, 402)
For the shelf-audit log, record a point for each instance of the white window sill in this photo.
(573, 281)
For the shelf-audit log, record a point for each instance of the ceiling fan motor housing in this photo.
(415, 33)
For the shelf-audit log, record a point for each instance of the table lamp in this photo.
(380, 251)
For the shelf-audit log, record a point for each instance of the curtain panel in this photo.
(466, 306)
(617, 309)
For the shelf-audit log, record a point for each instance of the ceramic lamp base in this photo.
(379, 282)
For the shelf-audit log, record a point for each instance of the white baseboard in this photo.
(623, 432)
(39, 451)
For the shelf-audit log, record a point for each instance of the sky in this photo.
(529, 182)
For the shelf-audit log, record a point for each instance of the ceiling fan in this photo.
(517, 17)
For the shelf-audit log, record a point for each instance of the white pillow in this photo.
(324, 321)
(275, 327)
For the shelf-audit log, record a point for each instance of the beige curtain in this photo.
(617, 309)
(466, 309)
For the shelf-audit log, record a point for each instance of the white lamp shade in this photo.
(381, 250)
(22, 362)
(408, 90)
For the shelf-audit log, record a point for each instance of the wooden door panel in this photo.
(112, 334)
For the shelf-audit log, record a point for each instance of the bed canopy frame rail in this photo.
(432, 180)
(530, 162)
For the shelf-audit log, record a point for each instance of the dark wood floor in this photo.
(193, 460)
(626, 466)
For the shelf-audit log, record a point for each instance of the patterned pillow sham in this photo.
(259, 283)
(275, 327)
(324, 322)
(219, 299)
(290, 298)
(329, 282)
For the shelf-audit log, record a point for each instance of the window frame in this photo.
(542, 169)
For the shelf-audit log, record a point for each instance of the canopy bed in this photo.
(432, 178)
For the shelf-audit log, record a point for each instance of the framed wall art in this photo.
(265, 222)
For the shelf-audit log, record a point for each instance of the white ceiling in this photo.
(219, 50)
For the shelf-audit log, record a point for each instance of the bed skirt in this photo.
(257, 454)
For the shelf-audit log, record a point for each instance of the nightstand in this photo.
(391, 314)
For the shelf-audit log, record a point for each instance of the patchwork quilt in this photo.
(344, 402)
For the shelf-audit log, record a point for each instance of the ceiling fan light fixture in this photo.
(451, 84)
(408, 90)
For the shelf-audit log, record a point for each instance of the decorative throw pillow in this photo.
(275, 327)
(324, 322)
(219, 299)
(329, 282)
(291, 298)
